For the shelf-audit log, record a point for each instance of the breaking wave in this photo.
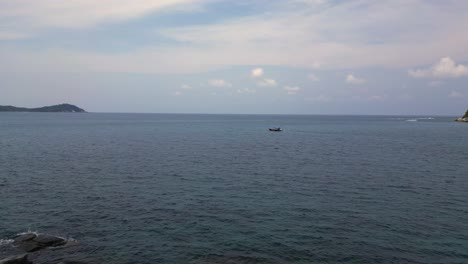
(6, 241)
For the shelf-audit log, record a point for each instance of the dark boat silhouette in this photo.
(275, 129)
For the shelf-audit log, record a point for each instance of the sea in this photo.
(196, 189)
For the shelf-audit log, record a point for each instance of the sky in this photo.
(393, 57)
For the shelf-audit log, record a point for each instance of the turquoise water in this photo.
(156, 188)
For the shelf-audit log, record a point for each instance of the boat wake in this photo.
(412, 119)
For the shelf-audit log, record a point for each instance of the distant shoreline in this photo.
(80, 110)
(60, 108)
(244, 114)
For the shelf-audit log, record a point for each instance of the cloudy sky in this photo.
(245, 56)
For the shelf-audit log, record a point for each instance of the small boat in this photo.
(275, 129)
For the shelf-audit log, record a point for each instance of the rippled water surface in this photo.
(154, 188)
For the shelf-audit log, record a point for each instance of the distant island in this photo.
(464, 118)
(61, 108)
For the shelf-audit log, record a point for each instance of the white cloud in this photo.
(5, 35)
(277, 37)
(177, 93)
(27, 17)
(311, 2)
(257, 72)
(280, 34)
(455, 94)
(319, 98)
(267, 82)
(313, 77)
(186, 87)
(445, 68)
(434, 83)
(246, 90)
(377, 97)
(219, 83)
(292, 90)
(351, 79)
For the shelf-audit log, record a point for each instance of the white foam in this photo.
(28, 232)
(6, 241)
(412, 120)
(69, 241)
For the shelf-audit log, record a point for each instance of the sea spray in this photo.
(6, 242)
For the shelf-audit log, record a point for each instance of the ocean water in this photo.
(160, 188)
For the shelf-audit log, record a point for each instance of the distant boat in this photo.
(275, 129)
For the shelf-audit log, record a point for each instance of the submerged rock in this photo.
(31, 242)
(42, 249)
(49, 241)
(30, 246)
(24, 238)
(22, 259)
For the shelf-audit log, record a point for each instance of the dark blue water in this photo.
(153, 188)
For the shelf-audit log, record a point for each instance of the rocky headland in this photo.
(463, 118)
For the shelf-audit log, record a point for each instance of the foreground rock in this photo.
(31, 242)
(464, 118)
(23, 259)
(36, 248)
